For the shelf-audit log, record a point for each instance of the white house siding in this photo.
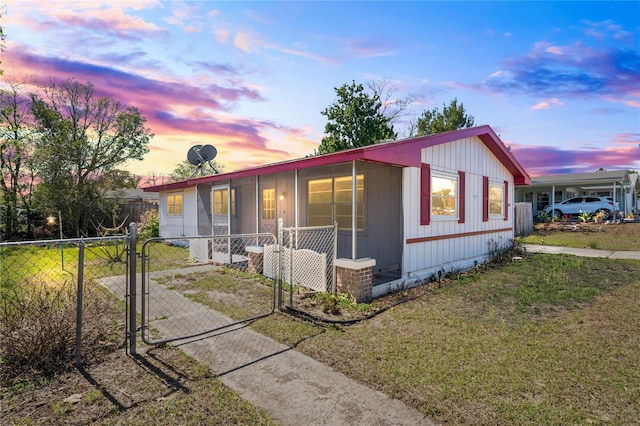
(179, 226)
(421, 259)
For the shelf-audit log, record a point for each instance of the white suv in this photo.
(587, 204)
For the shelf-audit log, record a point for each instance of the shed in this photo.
(420, 205)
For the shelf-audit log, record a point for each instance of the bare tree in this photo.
(16, 147)
(392, 107)
(81, 137)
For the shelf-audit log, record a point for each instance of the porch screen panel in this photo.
(343, 201)
(331, 200)
(220, 202)
(319, 211)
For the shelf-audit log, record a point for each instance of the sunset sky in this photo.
(559, 82)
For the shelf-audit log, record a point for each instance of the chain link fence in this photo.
(197, 285)
(183, 291)
(48, 290)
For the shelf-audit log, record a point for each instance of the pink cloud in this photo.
(178, 112)
(549, 103)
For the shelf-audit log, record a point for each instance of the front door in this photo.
(223, 201)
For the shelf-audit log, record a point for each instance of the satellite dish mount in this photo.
(200, 154)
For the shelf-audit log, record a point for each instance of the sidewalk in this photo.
(587, 252)
(294, 388)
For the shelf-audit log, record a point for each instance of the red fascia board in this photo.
(406, 153)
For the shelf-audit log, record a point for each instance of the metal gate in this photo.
(197, 285)
(193, 286)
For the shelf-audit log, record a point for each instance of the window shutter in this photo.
(461, 195)
(485, 199)
(506, 200)
(425, 194)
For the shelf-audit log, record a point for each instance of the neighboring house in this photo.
(135, 202)
(621, 185)
(422, 205)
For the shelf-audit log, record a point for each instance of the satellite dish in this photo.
(208, 152)
(194, 156)
(200, 154)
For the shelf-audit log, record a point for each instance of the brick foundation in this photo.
(256, 259)
(355, 277)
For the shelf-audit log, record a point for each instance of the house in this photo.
(133, 202)
(422, 205)
(621, 185)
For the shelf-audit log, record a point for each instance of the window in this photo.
(444, 196)
(496, 199)
(174, 204)
(220, 202)
(269, 203)
(330, 200)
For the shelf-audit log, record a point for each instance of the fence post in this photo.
(133, 240)
(79, 303)
(280, 246)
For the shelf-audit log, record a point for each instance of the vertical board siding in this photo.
(470, 160)
(177, 226)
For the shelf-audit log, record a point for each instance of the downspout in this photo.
(354, 211)
(553, 200)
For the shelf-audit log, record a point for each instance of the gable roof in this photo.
(402, 153)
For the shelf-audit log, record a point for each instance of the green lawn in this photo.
(549, 340)
(546, 340)
(606, 237)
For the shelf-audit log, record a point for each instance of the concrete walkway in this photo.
(587, 252)
(295, 389)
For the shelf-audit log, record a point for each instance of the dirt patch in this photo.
(332, 310)
(161, 386)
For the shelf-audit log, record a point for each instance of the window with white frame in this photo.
(331, 199)
(496, 199)
(269, 203)
(444, 196)
(220, 202)
(174, 204)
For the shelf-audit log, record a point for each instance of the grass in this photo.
(497, 349)
(546, 340)
(605, 237)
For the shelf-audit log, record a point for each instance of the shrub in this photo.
(149, 226)
(38, 323)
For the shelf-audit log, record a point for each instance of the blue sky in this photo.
(558, 81)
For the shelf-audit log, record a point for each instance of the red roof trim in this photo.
(403, 153)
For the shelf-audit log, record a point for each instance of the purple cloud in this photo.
(575, 70)
(545, 160)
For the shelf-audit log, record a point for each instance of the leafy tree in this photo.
(354, 120)
(81, 138)
(451, 118)
(185, 169)
(16, 146)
